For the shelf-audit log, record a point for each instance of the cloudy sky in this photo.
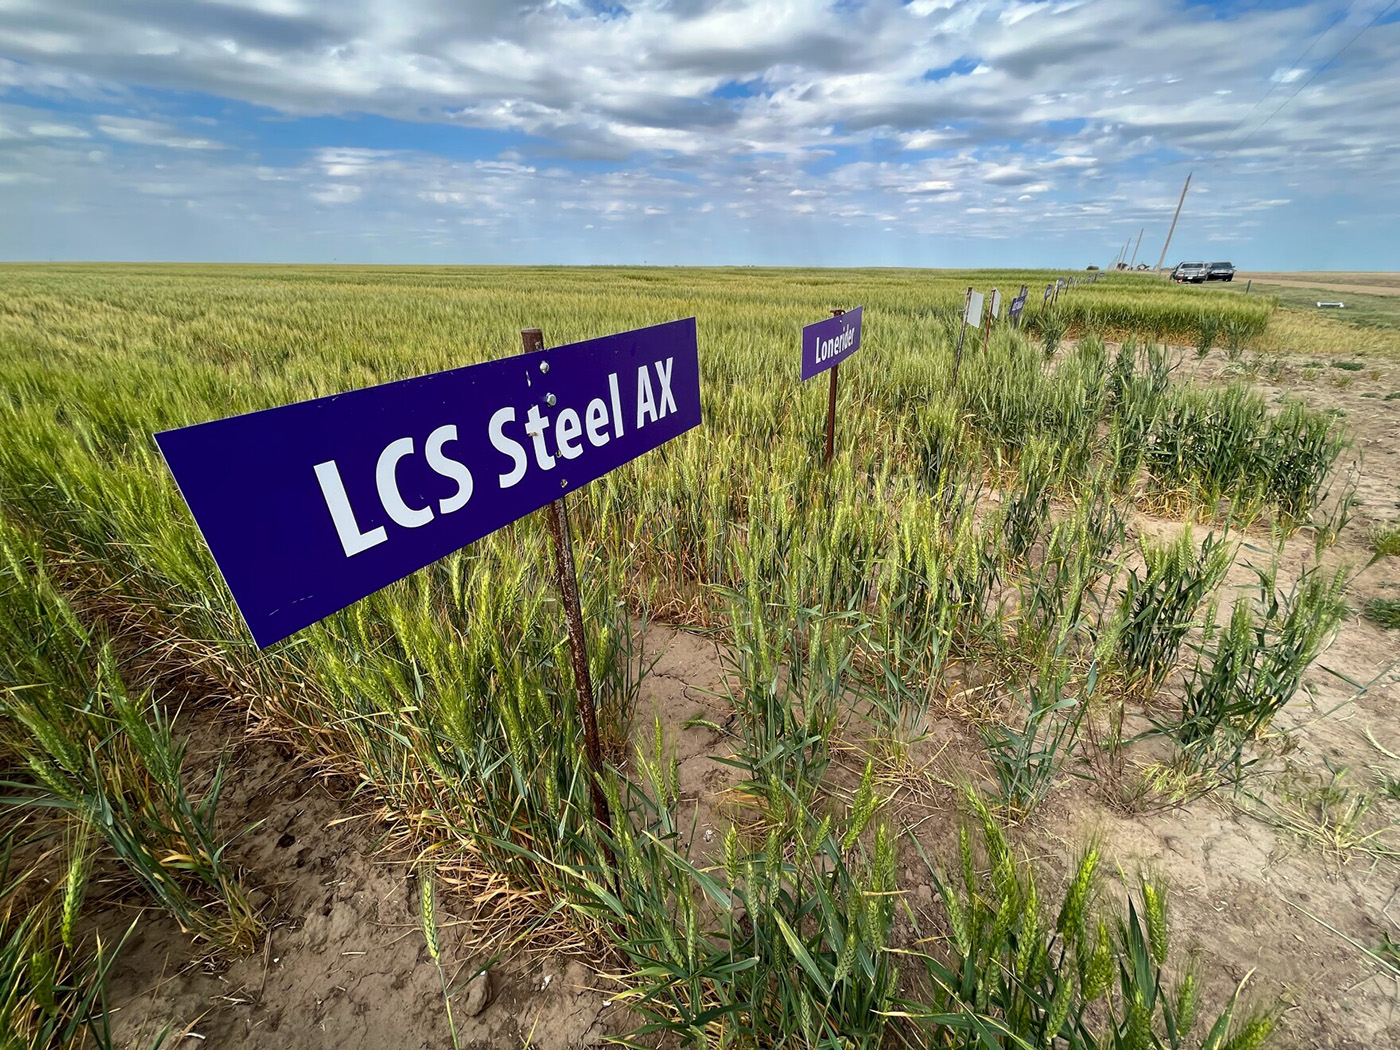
(813, 132)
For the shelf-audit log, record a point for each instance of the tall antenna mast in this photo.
(1136, 247)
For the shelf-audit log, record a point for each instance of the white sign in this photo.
(996, 303)
(973, 316)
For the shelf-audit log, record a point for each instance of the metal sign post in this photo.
(991, 316)
(556, 516)
(972, 315)
(831, 405)
(824, 346)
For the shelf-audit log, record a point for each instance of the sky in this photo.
(769, 132)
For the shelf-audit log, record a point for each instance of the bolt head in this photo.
(544, 367)
(549, 400)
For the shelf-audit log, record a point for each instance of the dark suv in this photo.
(1194, 272)
(1221, 271)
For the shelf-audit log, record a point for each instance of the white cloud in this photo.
(1078, 116)
(337, 193)
(57, 131)
(150, 133)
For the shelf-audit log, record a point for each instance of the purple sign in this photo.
(1018, 304)
(312, 506)
(830, 342)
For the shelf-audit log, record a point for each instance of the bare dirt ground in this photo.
(345, 963)
(1283, 881)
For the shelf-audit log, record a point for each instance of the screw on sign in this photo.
(824, 346)
(312, 506)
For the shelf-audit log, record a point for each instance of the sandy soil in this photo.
(1263, 882)
(345, 964)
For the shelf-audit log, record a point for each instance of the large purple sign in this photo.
(830, 342)
(311, 506)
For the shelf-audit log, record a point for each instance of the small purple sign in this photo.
(1018, 305)
(312, 506)
(830, 342)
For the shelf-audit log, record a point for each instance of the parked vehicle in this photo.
(1192, 272)
(1220, 271)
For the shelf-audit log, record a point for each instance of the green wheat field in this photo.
(967, 556)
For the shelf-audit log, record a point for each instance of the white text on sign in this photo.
(599, 422)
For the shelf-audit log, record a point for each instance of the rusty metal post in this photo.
(566, 578)
(962, 332)
(831, 406)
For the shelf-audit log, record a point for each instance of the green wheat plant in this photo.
(1013, 971)
(1028, 756)
(105, 757)
(1160, 605)
(1384, 611)
(1251, 666)
(53, 985)
(427, 913)
(1208, 327)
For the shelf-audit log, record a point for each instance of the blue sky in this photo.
(923, 133)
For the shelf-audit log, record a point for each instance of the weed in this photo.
(1385, 612)
(1385, 540)
(1330, 812)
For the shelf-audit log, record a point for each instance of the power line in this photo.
(1320, 69)
(1293, 65)
(1212, 156)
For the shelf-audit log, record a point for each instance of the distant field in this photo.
(1372, 299)
(1373, 282)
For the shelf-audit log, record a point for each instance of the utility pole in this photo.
(1136, 247)
(1174, 218)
